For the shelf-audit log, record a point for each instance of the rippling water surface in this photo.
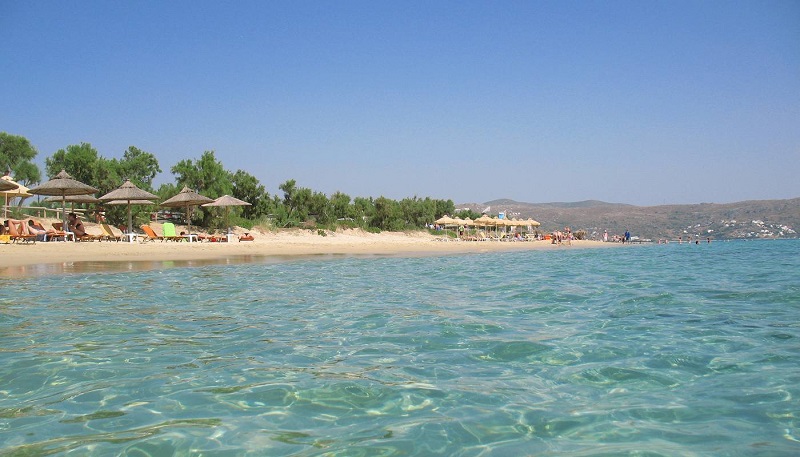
(655, 350)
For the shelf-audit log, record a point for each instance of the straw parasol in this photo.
(129, 193)
(227, 201)
(10, 190)
(445, 221)
(4, 186)
(532, 223)
(9, 184)
(483, 221)
(63, 185)
(497, 222)
(186, 198)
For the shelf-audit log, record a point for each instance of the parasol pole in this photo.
(189, 222)
(130, 223)
(65, 227)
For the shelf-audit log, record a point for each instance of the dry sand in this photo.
(46, 257)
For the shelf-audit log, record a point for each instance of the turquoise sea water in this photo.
(687, 350)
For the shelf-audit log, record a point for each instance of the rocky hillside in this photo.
(748, 219)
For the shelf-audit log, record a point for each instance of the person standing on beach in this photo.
(605, 236)
(627, 236)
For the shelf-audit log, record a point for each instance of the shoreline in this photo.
(96, 256)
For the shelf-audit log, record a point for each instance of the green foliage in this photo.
(264, 223)
(302, 207)
(299, 206)
(166, 191)
(467, 213)
(84, 163)
(346, 224)
(79, 160)
(140, 167)
(363, 211)
(247, 188)
(419, 212)
(299, 203)
(208, 177)
(320, 208)
(388, 215)
(340, 206)
(17, 154)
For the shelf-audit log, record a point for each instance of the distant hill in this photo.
(583, 204)
(748, 219)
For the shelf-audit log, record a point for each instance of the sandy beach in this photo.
(45, 257)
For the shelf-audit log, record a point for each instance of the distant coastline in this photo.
(752, 219)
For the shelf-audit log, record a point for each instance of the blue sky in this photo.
(639, 102)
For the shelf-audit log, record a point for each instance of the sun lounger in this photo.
(59, 228)
(108, 233)
(16, 232)
(85, 237)
(48, 235)
(169, 232)
(90, 236)
(151, 234)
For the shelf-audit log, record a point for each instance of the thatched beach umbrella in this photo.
(531, 223)
(497, 222)
(129, 193)
(458, 223)
(483, 221)
(445, 221)
(4, 186)
(227, 201)
(10, 190)
(63, 185)
(186, 198)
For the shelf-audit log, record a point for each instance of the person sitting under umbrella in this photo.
(75, 225)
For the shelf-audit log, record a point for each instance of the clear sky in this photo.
(642, 102)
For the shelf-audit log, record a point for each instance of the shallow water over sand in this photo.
(659, 350)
